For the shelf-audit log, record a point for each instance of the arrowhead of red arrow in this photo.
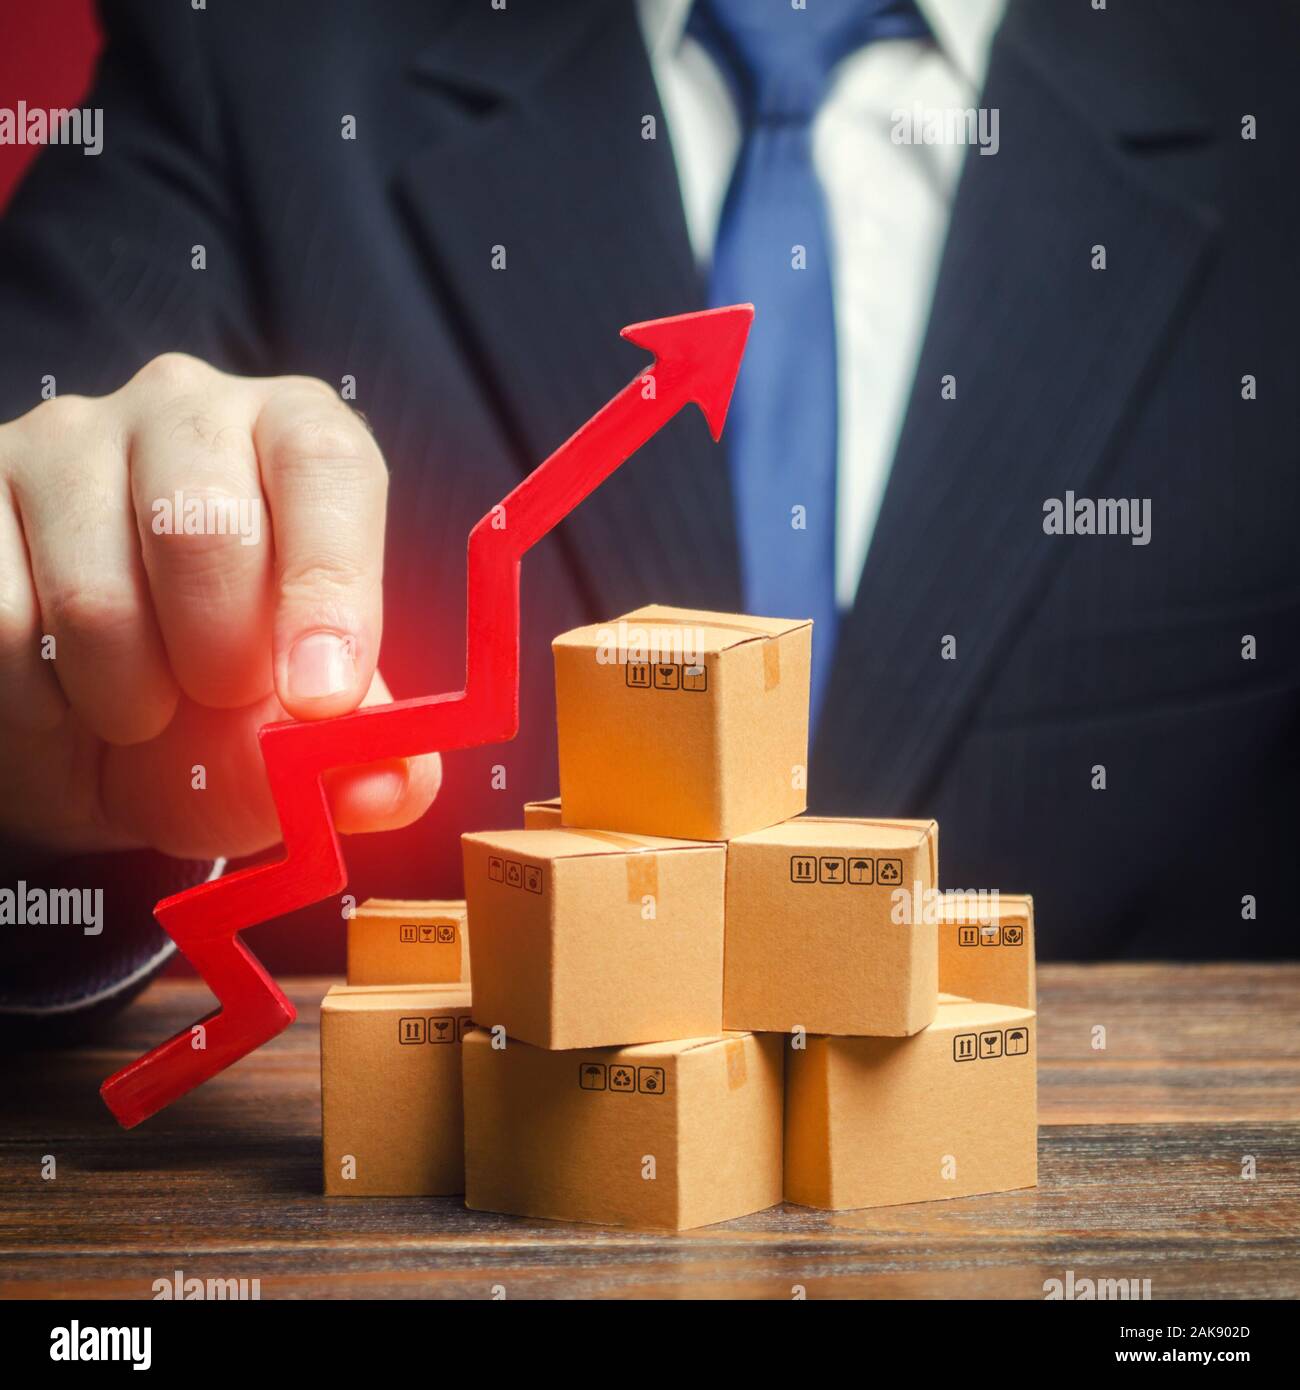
(699, 355)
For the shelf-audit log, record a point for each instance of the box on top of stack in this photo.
(683, 723)
(690, 999)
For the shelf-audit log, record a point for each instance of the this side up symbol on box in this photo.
(408, 935)
(410, 1031)
(964, 1047)
(803, 868)
(968, 936)
(638, 675)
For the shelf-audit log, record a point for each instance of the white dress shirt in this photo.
(887, 204)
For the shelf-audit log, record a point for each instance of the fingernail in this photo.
(320, 664)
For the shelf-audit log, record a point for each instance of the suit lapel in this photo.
(1049, 357)
(539, 151)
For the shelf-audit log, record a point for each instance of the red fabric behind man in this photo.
(46, 59)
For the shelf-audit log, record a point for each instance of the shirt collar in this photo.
(663, 22)
(963, 30)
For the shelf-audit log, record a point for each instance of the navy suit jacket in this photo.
(522, 129)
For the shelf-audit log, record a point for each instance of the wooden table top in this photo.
(1141, 1162)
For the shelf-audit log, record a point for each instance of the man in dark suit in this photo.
(446, 213)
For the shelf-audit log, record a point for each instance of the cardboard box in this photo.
(390, 1075)
(813, 936)
(683, 723)
(986, 948)
(585, 938)
(873, 1122)
(542, 815)
(400, 941)
(661, 1136)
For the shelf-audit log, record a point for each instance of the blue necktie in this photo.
(773, 248)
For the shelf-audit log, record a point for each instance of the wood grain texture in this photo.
(1141, 1156)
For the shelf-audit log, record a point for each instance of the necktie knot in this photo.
(780, 56)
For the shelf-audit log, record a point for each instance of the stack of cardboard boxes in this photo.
(390, 1053)
(690, 1000)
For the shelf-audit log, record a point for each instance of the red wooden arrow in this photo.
(697, 357)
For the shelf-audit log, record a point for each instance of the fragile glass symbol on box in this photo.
(442, 1030)
(832, 869)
